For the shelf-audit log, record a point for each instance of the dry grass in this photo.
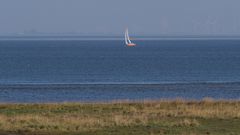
(77, 117)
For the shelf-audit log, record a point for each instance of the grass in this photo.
(178, 117)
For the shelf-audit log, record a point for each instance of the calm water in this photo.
(56, 71)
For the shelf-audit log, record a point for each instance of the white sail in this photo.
(129, 41)
(126, 37)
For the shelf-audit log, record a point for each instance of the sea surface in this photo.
(106, 70)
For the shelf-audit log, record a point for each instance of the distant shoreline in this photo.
(76, 37)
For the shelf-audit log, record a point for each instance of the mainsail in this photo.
(127, 39)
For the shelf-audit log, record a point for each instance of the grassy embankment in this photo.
(120, 118)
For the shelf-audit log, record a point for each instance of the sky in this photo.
(111, 17)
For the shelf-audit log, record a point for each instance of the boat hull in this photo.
(131, 45)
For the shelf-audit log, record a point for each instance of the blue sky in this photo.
(146, 17)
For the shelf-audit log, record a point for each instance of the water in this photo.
(82, 70)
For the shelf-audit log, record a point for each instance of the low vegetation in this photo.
(178, 117)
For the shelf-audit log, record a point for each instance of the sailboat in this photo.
(127, 39)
